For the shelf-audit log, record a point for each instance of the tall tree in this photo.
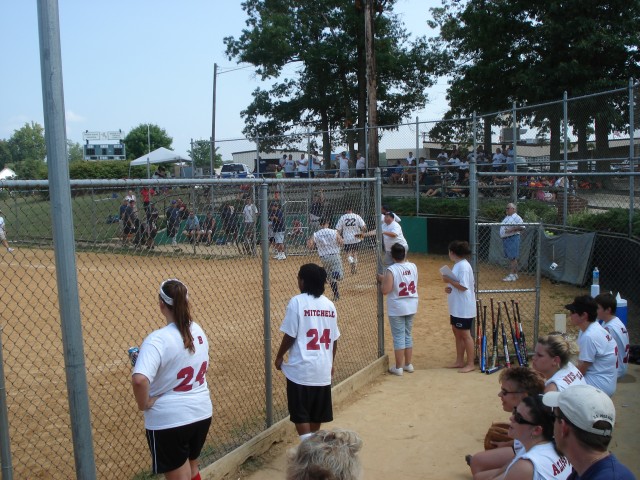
(74, 151)
(140, 138)
(201, 155)
(5, 154)
(27, 143)
(325, 42)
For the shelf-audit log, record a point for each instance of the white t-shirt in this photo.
(303, 165)
(403, 298)
(326, 241)
(618, 331)
(598, 347)
(316, 163)
(249, 213)
(313, 322)
(462, 304)
(547, 463)
(344, 164)
(2, 224)
(289, 165)
(349, 225)
(411, 161)
(567, 376)
(388, 241)
(176, 376)
(361, 164)
(513, 219)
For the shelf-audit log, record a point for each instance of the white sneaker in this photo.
(509, 278)
(283, 256)
(395, 371)
(350, 258)
(408, 368)
(174, 243)
(9, 250)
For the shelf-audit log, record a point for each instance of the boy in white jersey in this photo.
(328, 243)
(597, 359)
(310, 329)
(607, 305)
(349, 225)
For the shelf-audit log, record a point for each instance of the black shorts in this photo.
(351, 247)
(171, 447)
(309, 404)
(461, 323)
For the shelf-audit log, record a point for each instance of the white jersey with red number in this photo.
(403, 298)
(176, 376)
(620, 334)
(462, 304)
(598, 348)
(547, 463)
(313, 322)
(349, 225)
(566, 377)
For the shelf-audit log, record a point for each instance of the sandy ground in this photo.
(421, 425)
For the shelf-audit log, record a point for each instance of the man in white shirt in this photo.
(597, 358)
(328, 243)
(361, 166)
(344, 165)
(411, 160)
(391, 234)
(350, 226)
(249, 216)
(303, 166)
(316, 164)
(512, 225)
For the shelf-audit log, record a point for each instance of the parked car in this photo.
(235, 170)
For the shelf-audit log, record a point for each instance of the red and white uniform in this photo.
(567, 376)
(547, 463)
(619, 332)
(403, 298)
(313, 322)
(349, 225)
(599, 348)
(176, 376)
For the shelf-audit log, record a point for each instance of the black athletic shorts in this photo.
(309, 404)
(461, 323)
(171, 447)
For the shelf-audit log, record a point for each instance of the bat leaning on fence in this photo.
(483, 351)
(494, 332)
(477, 339)
(513, 336)
(523, 342)
(505, 345)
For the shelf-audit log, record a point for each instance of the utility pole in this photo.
(372, 96)
(213, 119)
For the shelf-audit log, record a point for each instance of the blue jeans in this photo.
(401, 327)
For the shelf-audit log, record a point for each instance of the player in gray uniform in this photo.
(328, 243)
(351, 226)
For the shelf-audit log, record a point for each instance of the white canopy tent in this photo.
(7, 174)
(160, 155)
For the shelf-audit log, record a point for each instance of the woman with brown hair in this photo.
(170, 386)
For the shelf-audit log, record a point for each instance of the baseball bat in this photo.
(513, 336)
(494, 369)
(523, 342)
(483, 351)
(494, 331)
(477, 339)
(505, 345)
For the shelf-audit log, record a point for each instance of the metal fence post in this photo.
(565, 133)
(5, 441)
(514, 135)
(473, 200)
(416, 156)
(380, 299)
(266, 302)
(632, 162)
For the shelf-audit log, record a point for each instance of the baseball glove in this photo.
(498, 432)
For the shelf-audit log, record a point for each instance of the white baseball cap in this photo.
(584, 405)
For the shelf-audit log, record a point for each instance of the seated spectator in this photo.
(532, 425)
(326, 455)
(516, 383)
(396, 173)
(192, 228)
(607, 306)
(584, 421)
(208, 227)
(442, 157)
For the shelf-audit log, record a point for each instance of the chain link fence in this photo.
(122, 256)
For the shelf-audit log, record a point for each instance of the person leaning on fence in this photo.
(310, 337)
(391, 234)
(584, 420)
(170, 386)
(326, 455)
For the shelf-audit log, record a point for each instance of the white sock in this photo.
(304, 436)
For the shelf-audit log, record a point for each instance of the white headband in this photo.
(166, 298)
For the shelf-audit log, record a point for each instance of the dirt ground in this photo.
(421, 425)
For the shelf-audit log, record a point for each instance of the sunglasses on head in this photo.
(519, 419)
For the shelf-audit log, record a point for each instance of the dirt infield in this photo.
(118, 298)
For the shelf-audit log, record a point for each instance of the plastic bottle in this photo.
(596, 276)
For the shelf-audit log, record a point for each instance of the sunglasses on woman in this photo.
(519, 419)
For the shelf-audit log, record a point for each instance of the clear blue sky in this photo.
(131, 62)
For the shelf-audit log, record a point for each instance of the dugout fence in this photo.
(237, 290)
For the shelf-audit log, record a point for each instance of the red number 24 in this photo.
(187, 375)
(405, 289)
(316, 339)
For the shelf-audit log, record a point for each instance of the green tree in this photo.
(74, 151)
(27, 143)
(325, 42)
(138, 139)
(201, 155)
(5, 154)
(31, 169)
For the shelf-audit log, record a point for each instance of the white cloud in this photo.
(73, 117)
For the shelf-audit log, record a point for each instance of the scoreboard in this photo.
(104, 151)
